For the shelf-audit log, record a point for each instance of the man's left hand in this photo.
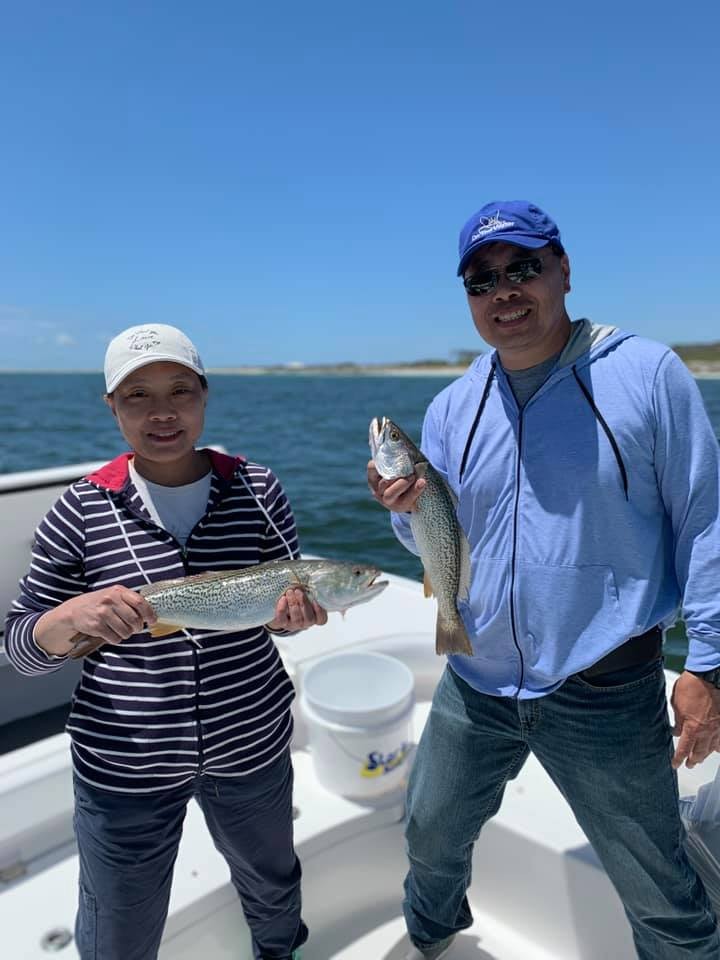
(697, 719)
(294, 612)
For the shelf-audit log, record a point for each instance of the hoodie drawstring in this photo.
(476, 421)
(131, 550)
(606, 428)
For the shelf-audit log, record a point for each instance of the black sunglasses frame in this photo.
(522, 270)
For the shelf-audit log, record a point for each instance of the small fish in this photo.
(244, 598)
(444, 548)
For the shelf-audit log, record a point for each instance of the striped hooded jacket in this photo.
(150, 714)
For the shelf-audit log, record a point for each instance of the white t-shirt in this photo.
(175, 509)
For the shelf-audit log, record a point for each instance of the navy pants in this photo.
(607, 745)
(128, 845)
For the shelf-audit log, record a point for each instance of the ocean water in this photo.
(311, 430)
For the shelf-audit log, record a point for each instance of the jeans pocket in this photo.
(86, 925)
(621, 680)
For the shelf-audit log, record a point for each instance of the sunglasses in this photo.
(519, 271)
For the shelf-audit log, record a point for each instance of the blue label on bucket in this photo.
(378, 763)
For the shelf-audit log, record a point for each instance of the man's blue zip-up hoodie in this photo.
(593, 513)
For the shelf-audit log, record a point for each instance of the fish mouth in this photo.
(373, 589)
(375, 586)
(377, 425)
(378, 430)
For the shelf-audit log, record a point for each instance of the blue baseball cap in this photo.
(507, 221)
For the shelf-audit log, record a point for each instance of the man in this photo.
(587, 476)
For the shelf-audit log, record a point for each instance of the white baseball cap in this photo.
(148, 343)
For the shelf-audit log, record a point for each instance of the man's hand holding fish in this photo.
(399, 494)
(403, 480)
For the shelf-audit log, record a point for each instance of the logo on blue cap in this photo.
(489, 225)
(507, 221)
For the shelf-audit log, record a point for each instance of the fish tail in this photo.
(163, 629)
(83, 645)
(451, 637)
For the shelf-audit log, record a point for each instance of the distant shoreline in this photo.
(701, 371)
(399, 370)
(359, 370)
(704, 373)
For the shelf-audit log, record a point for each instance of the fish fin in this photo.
(83, 645)
(427, 586)
(162, 629)
(208, 576)
(451, 494)
(464, 544)
(452, 638)
(159, 585)
(297, 583)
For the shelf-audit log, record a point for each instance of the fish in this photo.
(442, 543)
(246, 597)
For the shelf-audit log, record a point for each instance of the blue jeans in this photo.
(128, 844)
(608, 748)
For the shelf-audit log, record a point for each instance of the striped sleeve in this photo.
(56, 574)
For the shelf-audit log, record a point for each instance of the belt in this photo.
(644, 648)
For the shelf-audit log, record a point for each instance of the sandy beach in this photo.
(349, 370)
(700, 371)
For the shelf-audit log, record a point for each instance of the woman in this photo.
(157, 721)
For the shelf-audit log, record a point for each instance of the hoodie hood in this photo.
(585, 336)
(587, 341)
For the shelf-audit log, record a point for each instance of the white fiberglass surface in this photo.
(352, 897)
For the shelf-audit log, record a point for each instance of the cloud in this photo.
(9, 311)
(13, 319)
(64, 340)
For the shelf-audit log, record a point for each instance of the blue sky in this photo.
(286, 181)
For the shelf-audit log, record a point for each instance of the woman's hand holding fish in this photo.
(112, 614)
(294, 611)
(399, 495)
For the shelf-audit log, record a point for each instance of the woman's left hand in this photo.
(294, 611)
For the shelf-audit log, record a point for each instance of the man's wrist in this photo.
(709, 676)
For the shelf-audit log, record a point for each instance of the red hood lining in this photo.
(114, 475)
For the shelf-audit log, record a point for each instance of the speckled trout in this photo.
(244, 598)
(444, 548)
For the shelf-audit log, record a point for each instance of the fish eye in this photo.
(357, 571)
(394, 435)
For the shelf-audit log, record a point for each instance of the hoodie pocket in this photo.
(567, 617)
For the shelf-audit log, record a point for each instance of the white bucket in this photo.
(358, 708)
